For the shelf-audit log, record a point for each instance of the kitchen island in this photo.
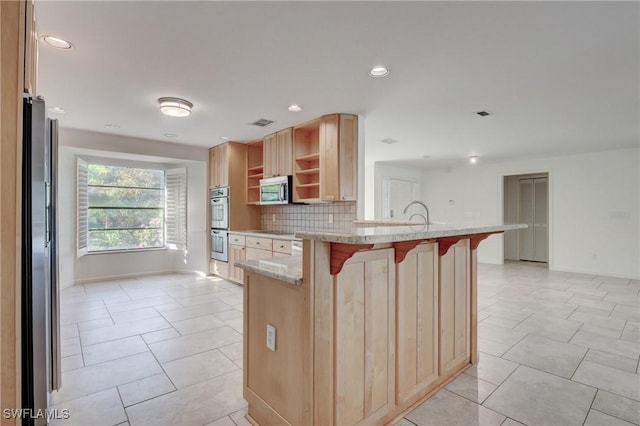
(362, 327)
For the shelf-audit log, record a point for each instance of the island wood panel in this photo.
(455, 304)
(365, 338)
(316, 262)
(417, 324)
(276, 383)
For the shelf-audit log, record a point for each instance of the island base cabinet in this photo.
(417, 324)
(365, 338)
(455, 308)
(276, 382)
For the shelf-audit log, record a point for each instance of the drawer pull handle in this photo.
(281, 246)
(258, 243)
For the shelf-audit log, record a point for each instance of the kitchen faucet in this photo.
(420, 203)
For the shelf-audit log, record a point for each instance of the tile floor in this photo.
(556, 349)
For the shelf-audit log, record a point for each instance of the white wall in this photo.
(593, 201)
(95, 267)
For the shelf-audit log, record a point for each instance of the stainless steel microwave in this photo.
(276, 190)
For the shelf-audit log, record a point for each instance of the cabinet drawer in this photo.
(282, 246)
(259, 243)
(256, 254)
(236, 240)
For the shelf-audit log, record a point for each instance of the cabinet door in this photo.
(284, 152)
(417, 324)
(270, 156)
(348, 157)
(364, 338)
(236, 254)
(212, 168)
(329, 162)
(222, 164)
(455, 308)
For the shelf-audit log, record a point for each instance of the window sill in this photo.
(92, 253)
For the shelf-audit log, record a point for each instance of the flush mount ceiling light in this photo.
(112, 126)
(170, 135)
(473, 159)
(56, 110)
(175, 107)
(225, 138)
(294, 108)
(389, 141)
(56, 42)
(378, 71)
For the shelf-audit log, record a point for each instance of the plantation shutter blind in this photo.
(82, 198)
(176, 208)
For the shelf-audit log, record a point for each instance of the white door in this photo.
(396, 194)
(534, 240)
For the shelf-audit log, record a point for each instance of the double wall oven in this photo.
(219, 223)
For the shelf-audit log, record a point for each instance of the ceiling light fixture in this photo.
(170, 135)
(389, 141)
(426, 157)
(56, 110)
(57, 42)
(225, 138)
(294, 108)
(175, 107)
(473, 159)
(112, 125)
(378, 71)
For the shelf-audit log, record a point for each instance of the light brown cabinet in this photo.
(236, 253)
(278, 153)
(325, 155)
(219, 166)
(244, 247)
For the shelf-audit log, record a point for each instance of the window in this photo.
(127, 208)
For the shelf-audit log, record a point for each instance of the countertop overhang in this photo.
(390, 234)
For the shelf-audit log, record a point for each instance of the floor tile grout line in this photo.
(614, 416)
(123, 407)
(590, 406)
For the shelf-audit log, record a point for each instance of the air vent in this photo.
(482, 113)
(263, 122)
(389, 141)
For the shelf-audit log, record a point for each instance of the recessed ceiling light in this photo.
(294, 108)
(473, 159)
(112, 125)
(175, 107)
(57, 42)
(482, 113)
(389, 141)
(56, 110)
(225, 138)
(379, 71)
(170, 135)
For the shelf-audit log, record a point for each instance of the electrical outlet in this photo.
(273, 217)
(330, 218)
(271, 337)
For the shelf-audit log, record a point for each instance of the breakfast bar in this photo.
(363, 326)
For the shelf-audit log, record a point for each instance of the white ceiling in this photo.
(557, 77)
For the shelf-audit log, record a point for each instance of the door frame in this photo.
(551, 211)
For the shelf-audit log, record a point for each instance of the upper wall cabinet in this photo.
(255, 170)
(278, 153)
(326, 159)
(219, 166)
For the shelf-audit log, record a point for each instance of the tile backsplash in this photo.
(298, 217)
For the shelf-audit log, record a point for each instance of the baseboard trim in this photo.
(123, 276)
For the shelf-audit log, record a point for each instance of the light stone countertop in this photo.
(388, 234)
(283, 268)
(267, 234)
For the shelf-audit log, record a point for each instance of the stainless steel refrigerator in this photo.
(40, 295)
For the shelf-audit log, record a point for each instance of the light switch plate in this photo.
(271, 337)
(330, 218)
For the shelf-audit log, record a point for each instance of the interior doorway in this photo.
(526, 200)
(396, 194)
